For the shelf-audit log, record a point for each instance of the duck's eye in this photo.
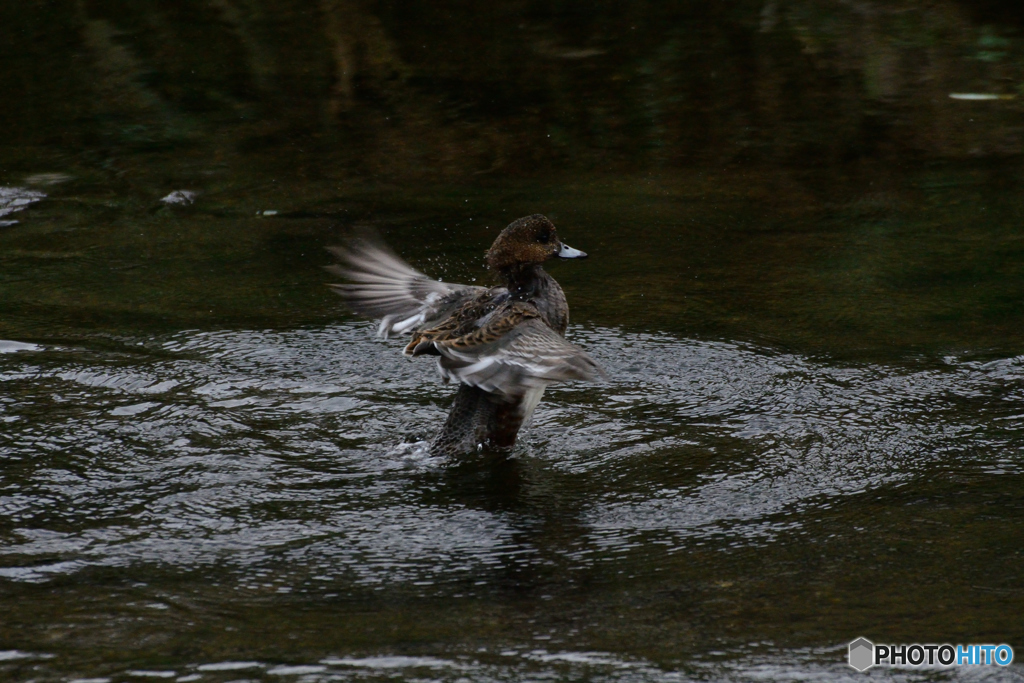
(544, 237)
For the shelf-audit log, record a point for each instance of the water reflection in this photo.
(416, 91)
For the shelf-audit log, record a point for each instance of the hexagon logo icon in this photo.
(862, 654)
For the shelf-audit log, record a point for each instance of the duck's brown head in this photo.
(526, 241)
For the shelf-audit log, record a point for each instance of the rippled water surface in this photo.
(805, 284)
(202, 496)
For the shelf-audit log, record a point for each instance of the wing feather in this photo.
(530, 356)
(382, 285)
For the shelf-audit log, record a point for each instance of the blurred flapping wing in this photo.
(382, 285)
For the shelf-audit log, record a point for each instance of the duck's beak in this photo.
(568, 252)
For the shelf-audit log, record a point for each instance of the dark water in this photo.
(805, 286)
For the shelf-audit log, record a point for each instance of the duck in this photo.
(502, 345)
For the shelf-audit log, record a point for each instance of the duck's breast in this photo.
(551, 304)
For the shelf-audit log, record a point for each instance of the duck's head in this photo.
(528, 241)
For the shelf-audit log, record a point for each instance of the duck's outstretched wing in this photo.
(528, 356)
(384, 286)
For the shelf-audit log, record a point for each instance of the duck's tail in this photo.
(482, 419)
